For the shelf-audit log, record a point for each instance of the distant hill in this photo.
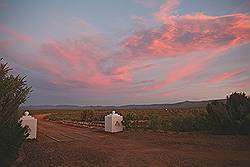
(184, 104)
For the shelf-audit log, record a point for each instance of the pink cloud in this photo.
(78, 61)
(85, 62)
(180, 71)
(243, 84)
(166, 10)
(14, 34)
(166, 93)
(183, 34)
(224, 76)
(88, 62)
(44, 64)
(5, 43)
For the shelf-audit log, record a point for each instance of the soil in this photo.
(66, 145)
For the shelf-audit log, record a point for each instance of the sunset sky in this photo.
(113, 52)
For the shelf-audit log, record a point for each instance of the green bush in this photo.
(230, 118)
(87, 116)
(53, 117)
(164, 125)
(13, 92)
(245, 126)
(154, 122)
(130, 121)
(218, 118)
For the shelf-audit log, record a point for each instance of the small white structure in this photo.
(113, 122)
(31, 122)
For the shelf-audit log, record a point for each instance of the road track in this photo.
(63, 145)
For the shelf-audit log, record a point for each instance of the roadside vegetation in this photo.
(154, 119)
(13, 92)
(232, 117)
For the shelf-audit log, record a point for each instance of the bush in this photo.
(245, 126)
(218, 118)
(13, 92)
(87, 116)
(154, 122)
(130, 121)
(232, 117)
(53, 117)
(165, 125)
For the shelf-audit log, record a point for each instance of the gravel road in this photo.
(64, 145)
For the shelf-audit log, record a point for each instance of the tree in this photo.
(13, 92)
(218, 118)
(238, 107)
(232, 117)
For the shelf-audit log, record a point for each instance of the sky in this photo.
(116, 52)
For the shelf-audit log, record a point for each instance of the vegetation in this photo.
(13, 92)
(232, 117)
(87, 116)
(154, 119)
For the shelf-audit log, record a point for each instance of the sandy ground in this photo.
(63, 145)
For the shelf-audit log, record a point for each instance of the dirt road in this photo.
(63, 145)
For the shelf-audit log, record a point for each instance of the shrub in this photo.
(245, 126)
(130, 121)
(164, 125)
(232, 117)
(53, 117)
(87, 116)
(154, 122)
(201, 123)
(218, 118)
(13, 92)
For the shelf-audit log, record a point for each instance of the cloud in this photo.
(185, 35)
(79, 61)
(77, 24)
(86, 62)
(14, 34)
(182, 34)
(166, 10)
(5, 43)
(242, 84)
(94, 65)
(167, 93)
(215, 79)
(44, 64)
(179, 71)
(139, 22)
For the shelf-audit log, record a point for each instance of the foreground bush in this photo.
(13, 92)
(232, 117)
(130, 121)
